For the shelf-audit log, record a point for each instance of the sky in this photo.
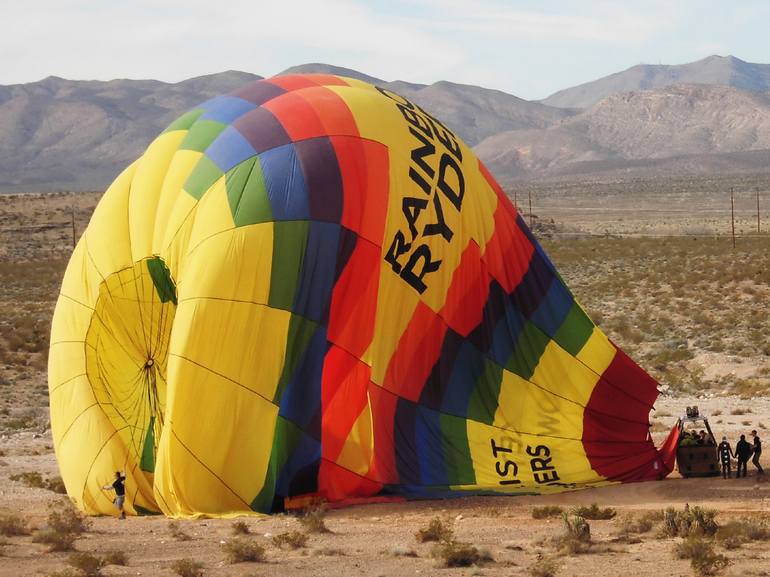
(527, 48)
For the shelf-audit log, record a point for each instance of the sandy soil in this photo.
(371, 539)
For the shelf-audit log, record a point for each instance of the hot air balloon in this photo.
(312, 288)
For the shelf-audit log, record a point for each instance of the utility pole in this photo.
(758, 226)
(732, 213)
(74, 240)
(530, 209)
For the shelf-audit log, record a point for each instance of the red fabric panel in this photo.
(336, 483)
(668, 448)
(383, 404)
(354, 300)
(508, 251)
(292, 81)
(364, 166)
(625, 374)
(464, 304)
(503, 201)
(332, 111)
(343, 396)
(298, 118)
(417, 352)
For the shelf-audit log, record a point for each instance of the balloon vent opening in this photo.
(127, 356)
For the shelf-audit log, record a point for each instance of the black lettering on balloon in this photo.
(412, 207)
(440, 226)
(413, 275)
(398, 247)
(419, 153)
(453, 191)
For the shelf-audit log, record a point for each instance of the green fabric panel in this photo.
(161, 278)
(201, 135)
(247, 193)
(484, 399)
(289, 242)
(144, 511)
(574, 331)
(147, 462)
(529, 348)
(301, 331)
(457, 452)
(203, 176)
(287, 437)
(185, 121)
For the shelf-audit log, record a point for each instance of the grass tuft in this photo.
(188, 568)
(290, 539)
(243, 550)
(437, 530)
(547, 512)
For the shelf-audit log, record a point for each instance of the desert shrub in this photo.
(188, 568)
(116, 557)
(240, 528)
(576, 537)
(176, 531)
(402, 551)
(544, 567)
(68, 520)
(437, 530)
(313, 518)
(735, 533)
(66, 572)
(641, 524)
(593, 512)
(456, 554)
(56, 540)
(330, 552)
(13, 525)
(89, 565)
(700, 552)
(549, 511)
(290, 539)
(241, 550)
(690, 521)
(56, 484)
(740, 411)
(29, 479)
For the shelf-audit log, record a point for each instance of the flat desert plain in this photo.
(690, 308)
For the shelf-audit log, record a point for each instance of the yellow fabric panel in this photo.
(219, 474)
(81, 280)
(558, 372)
(69, 363)
(217, 218)
(145, 192)
(69, 398)
(70, 322)
(358, 451)
(257, 335)
(244, 275)
(177, 235)
(597, 353)
(107, 235)
(479, 212)
(179, 169)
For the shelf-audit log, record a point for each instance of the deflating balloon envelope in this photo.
(311, 287)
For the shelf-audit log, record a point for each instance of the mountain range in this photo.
(705, 117)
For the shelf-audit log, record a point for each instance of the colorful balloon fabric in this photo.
(312, 288)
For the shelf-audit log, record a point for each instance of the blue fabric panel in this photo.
(529, 293)
(506, 334)
(229, 149)
(467, 369)
(301, 400)
(285, 184)
(430, 447)
(314, 292)
(554, 309)
(225, 109)
(407, 459)
(300, 473)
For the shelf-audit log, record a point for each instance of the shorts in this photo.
(119, 500)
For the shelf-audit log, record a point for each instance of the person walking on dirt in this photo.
(743, 451)
(757, 453)
(119, 485)
(725, 454)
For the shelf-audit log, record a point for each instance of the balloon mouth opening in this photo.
(127, 346)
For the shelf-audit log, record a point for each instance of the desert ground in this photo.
(663, 281)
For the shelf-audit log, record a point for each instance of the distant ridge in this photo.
(714, 70)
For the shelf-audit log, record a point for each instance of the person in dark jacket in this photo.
(119, 486)
(743, 451)
(725, 455)
(757, 453)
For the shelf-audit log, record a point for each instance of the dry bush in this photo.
(547, 512)
(456, 554)
(644, 523)
(66, 572)
(29, 479)
(402, 551)
(13, 525)
(56, 540)
(240, 528)
(544, 567)
(593, 512)
(700, 552)
(241, 550)
(437, 530)
(116, 557)
(736, 533)
(576, 537)
(176, 531)
(89, 565)
(290, 539)
(313, 518)
(690, 521)
(56, 484)
(67, 519)
(188, 568)
(740, 411)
